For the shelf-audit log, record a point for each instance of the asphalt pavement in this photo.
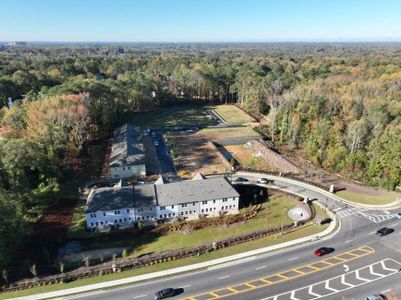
(297, 273)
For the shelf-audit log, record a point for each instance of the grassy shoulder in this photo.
(232, 114)
(308, 229)
(385, 198)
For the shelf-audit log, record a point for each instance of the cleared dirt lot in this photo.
(194, 153)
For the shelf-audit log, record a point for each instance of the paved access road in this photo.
(362, 263)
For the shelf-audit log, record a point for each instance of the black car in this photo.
(164, 293)
(240, 179)
(384, 231)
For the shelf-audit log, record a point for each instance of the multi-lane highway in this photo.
(362, 263)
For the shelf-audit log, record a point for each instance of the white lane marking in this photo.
(293, 296)
(345, 283)
(393, 225)
(310, 292)
(372, 233)
(326, 286)
(140, 296)
(260, 268)
(232, 263)
(382, 262)
(386, 212)
(357, 276)
(292, 258)
(338, 208)
(374, 273)
(388, 269)
(185, 286)
(227, 276)
(349, 241)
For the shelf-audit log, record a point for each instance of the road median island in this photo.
(192, 262)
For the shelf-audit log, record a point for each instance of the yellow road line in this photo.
(366, 250)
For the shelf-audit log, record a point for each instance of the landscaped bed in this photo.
(233, 114)
(274, 217)
(229, 132)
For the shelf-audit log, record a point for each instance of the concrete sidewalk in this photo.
(327, 233)
(393, 205)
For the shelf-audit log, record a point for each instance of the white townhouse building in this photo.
(123, 206)
(127, 157)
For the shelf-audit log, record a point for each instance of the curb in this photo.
(327, 233)
(393, 205)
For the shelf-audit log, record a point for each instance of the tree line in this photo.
(337, 105)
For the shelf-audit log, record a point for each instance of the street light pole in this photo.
(282, 219)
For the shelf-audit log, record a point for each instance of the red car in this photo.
(323, 251)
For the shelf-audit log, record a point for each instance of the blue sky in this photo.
(200, 20)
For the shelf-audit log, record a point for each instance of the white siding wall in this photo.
(166, 212)
(128, 171)
(115, 217)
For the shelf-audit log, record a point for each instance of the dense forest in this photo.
(338, 105)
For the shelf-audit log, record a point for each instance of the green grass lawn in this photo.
(229, 132)
(232, 114)
(369, 199)
(180, 115)
(308, 229)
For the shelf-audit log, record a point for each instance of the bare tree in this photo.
(4, 274)
(33, 271)
(61, 266)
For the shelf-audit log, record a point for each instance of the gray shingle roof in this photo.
(194, 191)
(127, 148)
(110, 198)
(144, 195)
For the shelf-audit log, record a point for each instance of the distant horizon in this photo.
(206, 21)
(211, 42)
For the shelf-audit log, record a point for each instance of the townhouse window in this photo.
(215, 208)
(161, 216)
(225, 200)
(172, 206)
(193, 203)
(184, 205)
(162, 207)
(165, 215)
(115, 221)
(147, 217)
(129, 168)
(93, 215)
(91, 224)
(173, 214)
(127, 210)
(123, 169)
(186, 212)
(107, 222)
(169, 215)
(214, 201)
(121, 220)
(203, 210)
(150, 209)
(104, 214)
(207, 209)
(139, 218)
(97, 223)
(125, 219)
(230, 207)
(117, 212)
(143, 218)
(140, 209)
(204, 202)
(182, 213)
(101, 223)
